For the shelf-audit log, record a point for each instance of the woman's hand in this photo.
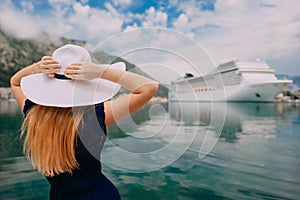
(46, 65)
(84, 71)
(49, 66)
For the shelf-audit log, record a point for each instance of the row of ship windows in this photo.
(203, 89)
(206, 89)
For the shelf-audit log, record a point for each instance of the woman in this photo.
(62, 96)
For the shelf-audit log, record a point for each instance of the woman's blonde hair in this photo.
(51, 138)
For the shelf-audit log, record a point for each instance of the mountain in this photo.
(295, 79)
(17, 53)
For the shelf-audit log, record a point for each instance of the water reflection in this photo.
(174, 128)
(255, 157)
(240, 118)
(9, 107)
(10, 123)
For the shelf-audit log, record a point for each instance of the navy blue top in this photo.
(86, 182)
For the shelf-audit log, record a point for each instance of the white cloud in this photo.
(17, 23)
(115, 13)
(131, 27)
(81, 10)
(155, 18)
(77, 21)
(68, 18)
(53, 2)
(235, 29)
(182, 24)
(258, 31)
(163, 53)
(105, 26)
(121, 3)
(27, 6)
(244, 29)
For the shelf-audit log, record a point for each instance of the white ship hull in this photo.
(259, 92)
(234, 82)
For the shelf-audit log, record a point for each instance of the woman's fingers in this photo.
(51, 63)
(48, 62)
(73, 70)
(44, 58)
(49, 66)
(74, 66)
(72, 76)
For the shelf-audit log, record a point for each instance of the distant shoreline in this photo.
(6, 93)
(289, 96)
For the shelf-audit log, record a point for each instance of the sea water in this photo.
(179, 150)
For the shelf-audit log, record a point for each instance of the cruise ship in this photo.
(235, 81)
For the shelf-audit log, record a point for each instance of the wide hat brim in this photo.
(43, 90)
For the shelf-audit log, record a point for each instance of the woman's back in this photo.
(85, 181)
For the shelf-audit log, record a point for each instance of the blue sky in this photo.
(266, 29)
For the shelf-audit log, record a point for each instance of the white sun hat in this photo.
(63, 92)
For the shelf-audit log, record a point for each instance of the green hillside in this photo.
(16, 54)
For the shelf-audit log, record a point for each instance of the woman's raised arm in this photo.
(142, 89)
(46, 65)
(15, 81)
